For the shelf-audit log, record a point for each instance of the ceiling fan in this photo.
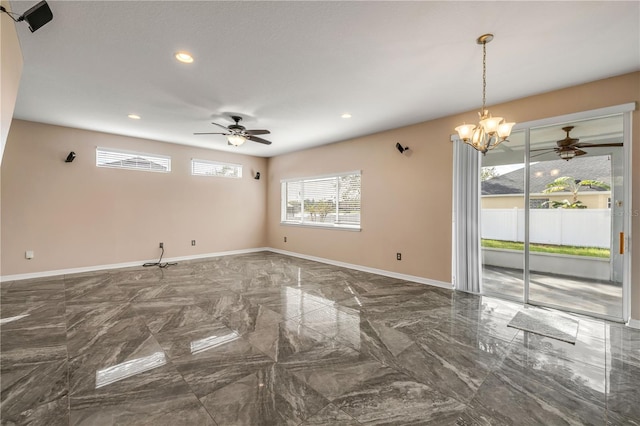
(237, 134)
(569, 147)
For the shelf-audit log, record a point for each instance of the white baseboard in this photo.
(95, 268)
(633, 323)
(382, 272)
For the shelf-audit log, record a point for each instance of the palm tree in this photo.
(569, 184)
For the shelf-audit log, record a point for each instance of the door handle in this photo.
(622, 243)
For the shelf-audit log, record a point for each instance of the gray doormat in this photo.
(547, 324)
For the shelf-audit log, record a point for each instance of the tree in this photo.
(319, 208)
(569, 184)
(487, 173)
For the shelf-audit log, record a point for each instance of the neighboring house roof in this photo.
(544, 172)
(137, 163)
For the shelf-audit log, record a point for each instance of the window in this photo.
(118, 159)
(331, 201)
(213, 168)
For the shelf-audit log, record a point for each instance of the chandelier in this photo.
(491, 131)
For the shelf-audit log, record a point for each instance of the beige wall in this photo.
(406, 200)
(10, 71)
(78, 215)
(591, 200)
(402, 195)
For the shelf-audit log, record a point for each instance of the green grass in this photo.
(548, 248)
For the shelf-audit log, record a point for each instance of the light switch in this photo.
(29, 254)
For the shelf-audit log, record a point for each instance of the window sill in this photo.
(352, 228)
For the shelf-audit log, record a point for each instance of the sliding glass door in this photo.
(574, 256)
(502, 215)
(553, 222)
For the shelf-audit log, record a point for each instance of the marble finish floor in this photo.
(267, 339)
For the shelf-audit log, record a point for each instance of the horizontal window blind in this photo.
(119, 159)
(214, 168)
(325, 201)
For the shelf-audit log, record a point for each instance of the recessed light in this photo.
(346, 115)
(134, 116)
(184, 57)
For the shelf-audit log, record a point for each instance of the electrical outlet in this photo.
(161, 245)
(285, 239)
(399, 256)
(193, 242)
(28, 254)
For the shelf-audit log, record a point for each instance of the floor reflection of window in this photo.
(12, 319)
(323, 315)
(211, 342)
(136, 366)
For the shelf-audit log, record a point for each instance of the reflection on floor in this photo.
(263, 339)
(579, 294)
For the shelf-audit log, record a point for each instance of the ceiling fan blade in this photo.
(259, 140)
(257, 132)
(542, 149)
(220, 125)
(208, 133)
(579, 152)
(596, 145)
(541, 153)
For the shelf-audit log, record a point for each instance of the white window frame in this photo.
(305, 223)
(195, 161)
(121, 154)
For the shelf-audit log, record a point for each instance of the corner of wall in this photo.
(10, 73)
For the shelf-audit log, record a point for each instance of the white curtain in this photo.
(467, 256)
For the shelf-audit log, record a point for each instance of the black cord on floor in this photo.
(159, 262)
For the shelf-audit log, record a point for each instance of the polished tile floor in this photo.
(266, 339)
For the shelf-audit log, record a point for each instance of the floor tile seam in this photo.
(444, 360)
(103, 329)
(550, 390)
(206, 410)
(607, 380)
(464, 344)
(512, 354)
(330, 400)
(513, 348)
(340, 342)
(353, 419)
(548, 386)
(601, 365)
(312, 310)
(88, 392)
(93, 346)
(66, 348)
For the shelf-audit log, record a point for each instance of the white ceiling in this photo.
(294, 67)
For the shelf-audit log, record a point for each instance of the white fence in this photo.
(569, 227)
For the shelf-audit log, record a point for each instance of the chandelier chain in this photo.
(484, 75)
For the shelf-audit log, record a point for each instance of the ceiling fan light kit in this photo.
(236, 140)
(490, 131)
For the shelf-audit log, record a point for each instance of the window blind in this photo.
(323, 201)
(120, 159)
(214, 168)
